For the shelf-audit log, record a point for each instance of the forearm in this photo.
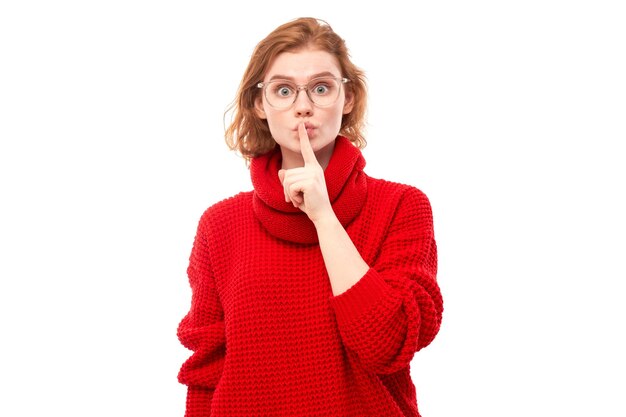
(344, 263)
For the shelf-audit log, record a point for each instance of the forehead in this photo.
(303, 64)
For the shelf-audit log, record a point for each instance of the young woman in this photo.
(311, 293)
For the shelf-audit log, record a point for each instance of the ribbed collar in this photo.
(345, 181)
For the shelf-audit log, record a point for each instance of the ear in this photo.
(258, 107)
(348, 104)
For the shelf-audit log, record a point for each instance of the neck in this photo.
(346, 184)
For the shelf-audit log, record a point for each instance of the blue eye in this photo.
(322, 87)
(283, 91)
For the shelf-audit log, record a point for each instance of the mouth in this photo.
(309, 128)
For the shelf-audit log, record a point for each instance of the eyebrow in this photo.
(319, 74)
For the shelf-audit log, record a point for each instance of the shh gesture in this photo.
(305, 187)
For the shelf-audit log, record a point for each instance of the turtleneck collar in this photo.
(345, 181)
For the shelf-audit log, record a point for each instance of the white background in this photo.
(508, 115)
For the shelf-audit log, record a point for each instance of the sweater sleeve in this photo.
(395, 309)
(202, 331)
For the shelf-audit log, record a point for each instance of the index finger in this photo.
(305, 146)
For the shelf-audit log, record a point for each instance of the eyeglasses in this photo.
(322, 91)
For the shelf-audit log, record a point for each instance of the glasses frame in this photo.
(263, 85)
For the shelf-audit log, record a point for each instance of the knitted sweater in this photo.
(268, 336)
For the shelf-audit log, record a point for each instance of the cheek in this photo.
(334, 119)
(278, 126)
(275, 121)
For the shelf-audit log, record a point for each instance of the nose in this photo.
(303, 105)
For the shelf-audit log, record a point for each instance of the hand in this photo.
(305, 187)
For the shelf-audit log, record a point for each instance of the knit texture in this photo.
(268, 336)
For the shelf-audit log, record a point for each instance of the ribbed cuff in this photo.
(199, 401)
(358, 299)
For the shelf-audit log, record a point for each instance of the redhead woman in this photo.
(311, 293)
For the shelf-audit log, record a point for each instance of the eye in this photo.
(321, 88)
(283, 90)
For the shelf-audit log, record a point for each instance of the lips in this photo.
(307, 126)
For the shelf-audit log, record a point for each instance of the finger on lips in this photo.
(290, 177)
(305, 145)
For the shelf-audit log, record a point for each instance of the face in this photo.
(323, 123)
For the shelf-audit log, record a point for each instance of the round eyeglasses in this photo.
(322, 91)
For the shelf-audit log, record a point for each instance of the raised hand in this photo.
(305, 187)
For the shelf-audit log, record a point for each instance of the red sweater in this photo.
(268, 336)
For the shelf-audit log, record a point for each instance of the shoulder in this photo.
(227, 211)
(403, 205)
(405, 209)
(398, 193)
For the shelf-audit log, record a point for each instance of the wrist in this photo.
(327, 219)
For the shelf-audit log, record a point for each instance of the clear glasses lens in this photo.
(321, 91)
